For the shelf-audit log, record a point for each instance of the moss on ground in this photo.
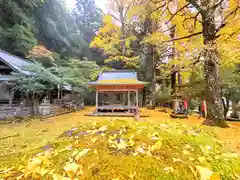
(126, 149)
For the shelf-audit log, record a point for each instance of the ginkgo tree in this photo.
(211, 21)
(205, 26)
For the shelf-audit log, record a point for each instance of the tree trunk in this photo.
(123, 33)
(173, 75)
(151, 74)
(154, 80)
(225, 106)
(173, 82)
(234, 109)
(215, 110)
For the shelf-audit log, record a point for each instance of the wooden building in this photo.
(117, 92)
(10, 63)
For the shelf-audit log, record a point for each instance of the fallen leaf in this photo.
(81, 153)
(201, 159)
(131, 143)
(154, 138)
(231, 155)
(148, 153)
(132, 175)
(59, 177)
(193, 171)
(20, 177)
(89, 167)
(153, 134)
(193, 133)
(7, 170)
(140, 150)
(191, 159)
(74, 129)
(71, 169)
(205, 173)
(69, 148)
(157, 145)
(103, 128)
(164, 125)
(185, 152)
(135, 153)
(177, 160)
(215, 176)
(208, 147)
(74, 153)
(121, 145)
(43, 171)
(34, 165)
(168, 169)
(76, 142)
(217, 157)
(94, 139)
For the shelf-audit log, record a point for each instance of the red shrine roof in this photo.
(117, 78)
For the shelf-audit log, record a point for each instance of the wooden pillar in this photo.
(137, 110)
(96, 100)
(11, 97)
(58, 92)
(129, 101)
(137, 98)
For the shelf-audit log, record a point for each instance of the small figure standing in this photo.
(203, 109)
(136, 115)
(185, 103)
(200, 111)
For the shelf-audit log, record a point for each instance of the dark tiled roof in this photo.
(16, 63)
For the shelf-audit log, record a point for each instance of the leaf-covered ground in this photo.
(121, 148)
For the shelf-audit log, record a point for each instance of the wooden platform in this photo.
(113, 114)
(179, 116)
(233, 119)
(113, 107)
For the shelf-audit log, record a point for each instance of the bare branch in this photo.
(218, 4)
(156, 9)
(232, 34)
(173, 15)
(232, 13)
(185, 37)
(194, 17)
(166, 30)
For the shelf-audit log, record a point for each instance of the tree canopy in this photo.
(26, 24)
(171, 37)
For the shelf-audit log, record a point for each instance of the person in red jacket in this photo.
(185, 104)
(203, 109)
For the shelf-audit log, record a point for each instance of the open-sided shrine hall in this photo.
(117, 93)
